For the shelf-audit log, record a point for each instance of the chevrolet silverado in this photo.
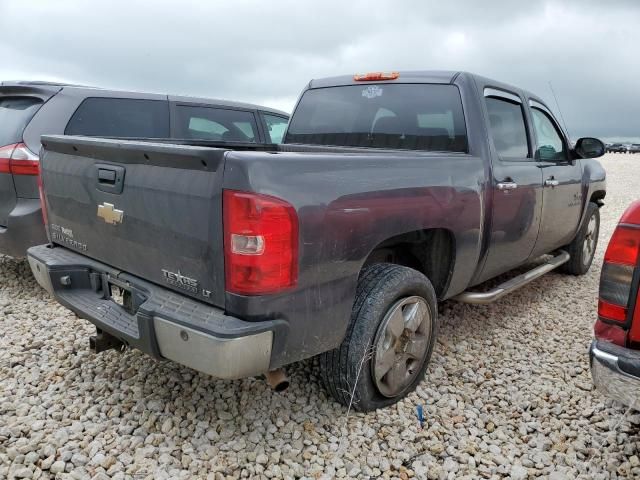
(390, 193)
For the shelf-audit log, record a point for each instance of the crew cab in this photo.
(615, 351)
(391, 192)
(29, 109)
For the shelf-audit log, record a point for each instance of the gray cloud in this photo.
(265, 52)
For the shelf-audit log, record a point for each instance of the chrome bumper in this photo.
(219, 357)
(608, 376)
(165, 324)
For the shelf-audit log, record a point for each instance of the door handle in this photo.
(551, 182)
(507, 185)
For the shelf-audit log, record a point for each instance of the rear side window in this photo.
(397, 116)
(15, 114)
(508, 130)
(215, 124)
(120, 117)
(276, 127)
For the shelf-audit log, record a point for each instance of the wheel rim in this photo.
(590, 240)
(401, 345)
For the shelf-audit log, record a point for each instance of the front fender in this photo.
(594, 184)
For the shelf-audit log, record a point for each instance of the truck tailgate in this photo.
(152, 210)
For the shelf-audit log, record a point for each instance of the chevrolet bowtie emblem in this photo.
(109, 214)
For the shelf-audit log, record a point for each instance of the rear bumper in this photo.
(616, 372)
(24, 228)
(162, 323)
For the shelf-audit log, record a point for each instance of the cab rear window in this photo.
(120, 117)
(425, 117)
(15, 114)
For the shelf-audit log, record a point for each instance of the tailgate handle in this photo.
(109, 178)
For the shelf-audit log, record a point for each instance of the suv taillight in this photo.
(17, 159)
(260, 243)
(617, 296)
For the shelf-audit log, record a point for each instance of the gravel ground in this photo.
(508, 394)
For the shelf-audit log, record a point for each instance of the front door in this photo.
(562, 183)
(517, 185)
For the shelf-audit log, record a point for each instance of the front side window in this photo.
(120, 117)
(215, 124)
(426, 117)
(506, 121)
(276, 127)
(550, 145)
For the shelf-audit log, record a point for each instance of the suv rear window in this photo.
(120, 117)
(397, 116)
(215, 124)
(15, 114)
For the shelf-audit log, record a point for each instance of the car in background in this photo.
(615, 352)
(31, 109)
(616, 148)
(633, 148)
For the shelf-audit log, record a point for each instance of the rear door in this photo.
(562, 181)
(516, 182)
(16, 111)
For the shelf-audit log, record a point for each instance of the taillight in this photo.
(260, 243)
(17, 159)
(616, 295)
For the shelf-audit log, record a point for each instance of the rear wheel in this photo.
(389, 340)
(583, 247)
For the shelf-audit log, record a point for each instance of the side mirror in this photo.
(588, 147)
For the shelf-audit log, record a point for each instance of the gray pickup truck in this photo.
(390, 193)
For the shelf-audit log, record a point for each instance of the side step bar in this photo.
(513, 284)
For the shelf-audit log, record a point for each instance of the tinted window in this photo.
(506, 120)
(15, 114)
(276, 127)
(403, 116)
(120, 117)
(215, 124)
(549, 141)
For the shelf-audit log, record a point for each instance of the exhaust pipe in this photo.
(277, 380)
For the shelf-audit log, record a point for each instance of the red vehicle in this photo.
(615, 352)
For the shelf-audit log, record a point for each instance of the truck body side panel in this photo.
(347, 205)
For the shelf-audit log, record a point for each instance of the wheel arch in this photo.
(430, 251)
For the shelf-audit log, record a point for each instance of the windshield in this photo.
(15, 114)
(397, 116)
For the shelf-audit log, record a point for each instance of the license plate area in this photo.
(121, 296)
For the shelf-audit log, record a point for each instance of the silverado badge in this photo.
(109, 214)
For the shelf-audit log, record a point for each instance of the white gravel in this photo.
(508, 394)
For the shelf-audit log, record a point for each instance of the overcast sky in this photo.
(266, 51)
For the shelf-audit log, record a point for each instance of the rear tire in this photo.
(583, 248)
(392, 329)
